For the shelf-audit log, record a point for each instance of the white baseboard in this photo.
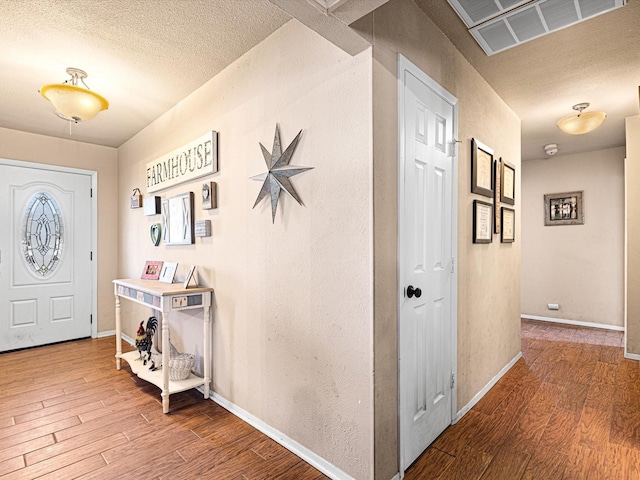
(111, 333)
(301, 451)
(573, 322)
(487, 387)
(631, 356)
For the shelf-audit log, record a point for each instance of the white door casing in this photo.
(426, 260)
(55, 302)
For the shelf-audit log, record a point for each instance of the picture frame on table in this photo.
(168, 272)
(508, 220)
(189, 276)
(151, 270)
(482, 181)
(482, 222)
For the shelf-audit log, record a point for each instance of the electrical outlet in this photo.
(553, 306)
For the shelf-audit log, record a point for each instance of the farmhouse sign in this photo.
(195, 159)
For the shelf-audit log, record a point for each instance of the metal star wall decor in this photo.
(279, 173)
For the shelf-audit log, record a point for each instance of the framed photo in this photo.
(481, 168)
(209, 195)
(563, 209)
(189, 276)
(151, 270)
(508, 218)
(497, 169)
(482, 222)
(177, 220)
(168, 271)
(507, 184)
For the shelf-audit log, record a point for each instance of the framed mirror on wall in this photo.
(177, 219)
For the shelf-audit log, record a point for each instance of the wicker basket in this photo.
(180, 366)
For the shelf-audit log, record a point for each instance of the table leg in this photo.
(207, 348)
(166, 356)
(118, 330)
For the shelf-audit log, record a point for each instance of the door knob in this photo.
(413, 291)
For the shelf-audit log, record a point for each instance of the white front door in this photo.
(45, 256)
(426, 260)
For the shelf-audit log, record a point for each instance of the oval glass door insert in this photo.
(43, 234)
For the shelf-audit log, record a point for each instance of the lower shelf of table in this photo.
(155, 377)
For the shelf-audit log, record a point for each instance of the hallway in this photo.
(568, 409)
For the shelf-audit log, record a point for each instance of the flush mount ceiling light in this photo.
(583, 122)
(74, 103)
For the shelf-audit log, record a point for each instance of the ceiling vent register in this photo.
(501, 24)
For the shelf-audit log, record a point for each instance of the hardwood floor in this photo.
(65, 412)
(568, 410)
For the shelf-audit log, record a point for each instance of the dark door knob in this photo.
(413, 291)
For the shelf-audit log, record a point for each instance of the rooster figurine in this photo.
(144, 338)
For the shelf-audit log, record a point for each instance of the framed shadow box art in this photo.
(481, 169)
(177, 220)
(482, 222)
(563, 209)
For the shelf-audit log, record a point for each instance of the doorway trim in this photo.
(402, 65)
(94, 224)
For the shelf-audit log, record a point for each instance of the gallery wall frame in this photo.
(482, 181)
(177, 219)
(482, 222)
(563, 208)
(497, 177)
(507, 183)
(209, 195)
(508, 220)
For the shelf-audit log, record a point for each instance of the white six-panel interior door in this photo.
(427, 250)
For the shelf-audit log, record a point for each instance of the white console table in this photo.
(165, 298)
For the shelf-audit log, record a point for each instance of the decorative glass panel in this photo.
(43, 234)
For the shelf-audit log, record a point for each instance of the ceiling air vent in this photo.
(500, 24)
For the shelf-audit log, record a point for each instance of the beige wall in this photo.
(579, 267)
(28, 147)
(488, 275)
(632, 193)
(293, 300)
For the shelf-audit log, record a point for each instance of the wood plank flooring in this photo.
(65, 413)
(569, 409)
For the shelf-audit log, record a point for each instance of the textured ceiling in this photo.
(597, 61)
(144, 56)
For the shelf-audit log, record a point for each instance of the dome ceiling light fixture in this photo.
(72, 102)
(583, 122)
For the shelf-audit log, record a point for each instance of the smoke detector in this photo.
(551, 149)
